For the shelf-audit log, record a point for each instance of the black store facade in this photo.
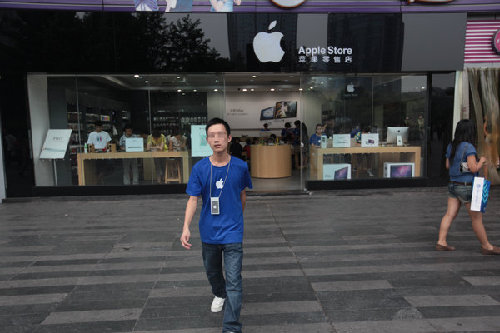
(170, 72)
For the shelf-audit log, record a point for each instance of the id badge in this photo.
(214, 205)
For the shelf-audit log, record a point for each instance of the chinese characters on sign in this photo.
(330, 54)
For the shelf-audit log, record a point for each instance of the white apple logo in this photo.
(350, 88)
(266, 45)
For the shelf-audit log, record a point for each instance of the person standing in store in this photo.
(315, 139)
(99, 139)
(221, 182)
(158, 142)
(287, 133)
(130, 165)
(462, 151)
(176, 141)
(236, 149)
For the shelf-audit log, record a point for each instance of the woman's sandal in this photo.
(444, 248)
(494, 251)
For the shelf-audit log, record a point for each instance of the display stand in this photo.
(55, 147)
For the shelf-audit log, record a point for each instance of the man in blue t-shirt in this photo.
(220, 180)
(315, 139)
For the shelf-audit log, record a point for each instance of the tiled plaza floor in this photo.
(351, 261)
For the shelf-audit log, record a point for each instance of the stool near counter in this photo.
(173, 171)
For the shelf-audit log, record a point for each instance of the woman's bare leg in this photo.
(477, 226)
(451, 213)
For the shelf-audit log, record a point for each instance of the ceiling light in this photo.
(194, 90)
(252, 89)
(272, 89)
(183, 94)
(136, 76)
(216, 90)
(179, 90)
(300, 89)
(254, 76)
(178, 77)
(244, 89)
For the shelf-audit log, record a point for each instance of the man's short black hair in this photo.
(215, 121)
(98, 124)
(128, 126)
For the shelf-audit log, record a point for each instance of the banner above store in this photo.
(268, 6)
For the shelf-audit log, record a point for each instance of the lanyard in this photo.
(227, 173)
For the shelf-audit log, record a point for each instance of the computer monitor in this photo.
(399, 170)
(394, 132)
(337, 171)
(267, 113)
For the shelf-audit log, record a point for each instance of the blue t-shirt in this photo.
(464, 149)
(227, 227)
(315, 140)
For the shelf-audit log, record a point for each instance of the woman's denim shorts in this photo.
(460, 192)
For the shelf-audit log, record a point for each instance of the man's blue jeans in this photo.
(231, 287)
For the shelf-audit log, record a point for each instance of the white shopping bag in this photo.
(480, 192)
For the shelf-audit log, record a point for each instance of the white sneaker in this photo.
(217, 304)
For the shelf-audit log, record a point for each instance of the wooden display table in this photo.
(87, 173)
(385, 154)
(271, 161)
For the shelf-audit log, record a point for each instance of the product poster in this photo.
(199, 144)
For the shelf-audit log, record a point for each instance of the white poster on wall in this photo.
(253, 110)
(56, 144)
(199, 144)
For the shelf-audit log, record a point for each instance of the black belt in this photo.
(460, 183)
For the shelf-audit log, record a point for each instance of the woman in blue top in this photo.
(462, 150)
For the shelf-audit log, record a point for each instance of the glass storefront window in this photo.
(158, 111)
(340, 127)
(365, 126)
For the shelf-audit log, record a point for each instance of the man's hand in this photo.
(186, 235)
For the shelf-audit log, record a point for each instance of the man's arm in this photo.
(188, 218)
(243, 196)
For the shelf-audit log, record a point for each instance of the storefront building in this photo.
(379, 77)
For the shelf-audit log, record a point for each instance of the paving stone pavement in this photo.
(347, 261)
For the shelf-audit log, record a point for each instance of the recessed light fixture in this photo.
(254, 76)
(310, 87)
(252, 89)
(136, 76)
(179, 90)
(194, 90)
(178, 77)
(216, 90)
(244, 89)
(272, 89)
(300, 89)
